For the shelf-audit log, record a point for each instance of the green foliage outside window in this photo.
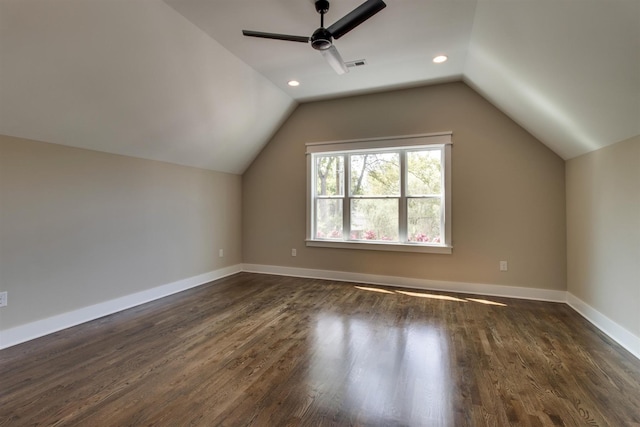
(375, 193)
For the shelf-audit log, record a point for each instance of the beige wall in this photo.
(508, 190)
(603, 231)
(80, 227)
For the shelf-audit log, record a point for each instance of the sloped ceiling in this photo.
(176, 81)
(567, 70)
(131, 77)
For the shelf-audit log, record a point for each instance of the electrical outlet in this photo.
(3, 299)
(503, 266)
(221, 253)
(294, 252)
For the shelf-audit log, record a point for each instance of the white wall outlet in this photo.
(503, 266)
(3, 299)
(221, 253)
(294, 252)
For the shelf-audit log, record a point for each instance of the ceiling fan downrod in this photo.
(321, 38)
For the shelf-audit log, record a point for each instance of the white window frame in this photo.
(409, 142)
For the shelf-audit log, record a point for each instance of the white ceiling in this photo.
(398, 43)
(176, 81)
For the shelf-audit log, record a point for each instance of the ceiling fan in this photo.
(322, 38)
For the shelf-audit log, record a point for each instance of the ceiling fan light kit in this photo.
(322, 38)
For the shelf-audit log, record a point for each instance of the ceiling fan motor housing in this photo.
(322, 6)
(321, 39)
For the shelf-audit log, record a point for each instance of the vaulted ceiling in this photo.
(176, 81)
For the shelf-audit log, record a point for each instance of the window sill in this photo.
(380, 246)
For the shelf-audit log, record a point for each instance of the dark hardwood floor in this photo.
(277, 351)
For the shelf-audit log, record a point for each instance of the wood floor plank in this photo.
(266, 350)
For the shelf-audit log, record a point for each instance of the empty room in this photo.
(310, 213)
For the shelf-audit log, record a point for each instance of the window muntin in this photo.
(389, 197)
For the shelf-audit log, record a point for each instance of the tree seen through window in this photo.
(375, 197)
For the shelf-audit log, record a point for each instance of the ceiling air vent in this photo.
(356, 63)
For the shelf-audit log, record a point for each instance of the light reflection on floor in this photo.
(371, 367)
(432, 296)
(379, 290)
(487, 302)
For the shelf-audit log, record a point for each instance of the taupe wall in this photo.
(80, 227)
(508, 190)
(603, 231)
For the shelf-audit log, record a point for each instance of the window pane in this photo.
(375, 174)
(424, 174)
(374, 219)
(423, 220)
(329, 176)
(329, 218)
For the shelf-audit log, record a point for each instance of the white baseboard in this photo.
(616, 332)
(39, 328)
(406, 282)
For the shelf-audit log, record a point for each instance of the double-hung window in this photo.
(381, 194)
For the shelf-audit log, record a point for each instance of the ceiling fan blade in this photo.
(276, 36)
(356, 17)
(332, 56)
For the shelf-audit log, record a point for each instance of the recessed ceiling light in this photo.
(293, 83)
(440, 59)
